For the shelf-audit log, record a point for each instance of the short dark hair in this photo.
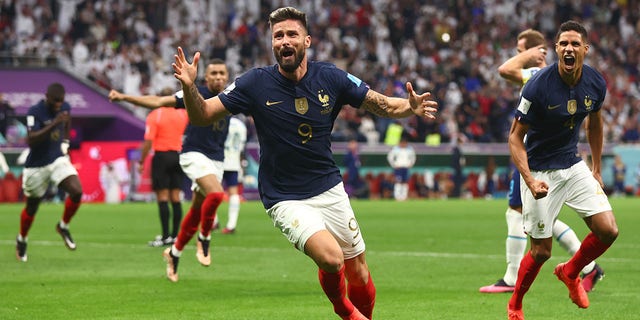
(533, 38)
(55, 90)
(216, 61)
(572, 25)
(288, 13)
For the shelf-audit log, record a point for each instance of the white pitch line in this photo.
(426, 254)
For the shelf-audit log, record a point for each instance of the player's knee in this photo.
(330, 262)
(76, 195)
(540, 256)
(609, 236)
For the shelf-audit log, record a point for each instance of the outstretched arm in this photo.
(392, 107)
(512, 68)
(149, 102)
(201, 112)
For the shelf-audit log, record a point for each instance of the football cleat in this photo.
(499, 287)
(159, 241)
(66, 237)
(355, 315)
(202, 252)
(590, 279)
(228, 231)
(172, 264)
(576, 292)
(513, 314)
(21, 250)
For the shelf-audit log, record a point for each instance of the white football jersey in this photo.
(400, 157)
(234, 145)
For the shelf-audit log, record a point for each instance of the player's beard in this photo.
(292, 66)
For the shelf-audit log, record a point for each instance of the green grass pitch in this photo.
(427, 257)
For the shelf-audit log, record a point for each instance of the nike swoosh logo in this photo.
(272, 103)
(553, 107)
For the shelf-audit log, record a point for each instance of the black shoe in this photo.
(66, 237)
(21, 250)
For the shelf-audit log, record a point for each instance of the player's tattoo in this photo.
(376, 103)
(200, 104)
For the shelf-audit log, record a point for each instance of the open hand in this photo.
(421, 104)
(184, 71)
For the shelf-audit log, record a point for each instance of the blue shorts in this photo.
(230, 178)
(401, 174)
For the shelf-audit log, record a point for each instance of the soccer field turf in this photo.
(427, 257)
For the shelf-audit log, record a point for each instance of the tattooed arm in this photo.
(392, 107)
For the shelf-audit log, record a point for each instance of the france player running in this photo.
(48, 125)
(294, 104)
(519, 69)
(552, 108)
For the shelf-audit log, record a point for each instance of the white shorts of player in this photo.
(298, 220)
(35, 181)
(576, 187)
(196, 165)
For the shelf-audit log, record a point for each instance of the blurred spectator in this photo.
(6, 118)
(451, 49)
(619, 172)
(401, 158)
(457, 164)
(354, 184)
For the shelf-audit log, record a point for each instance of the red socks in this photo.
(333, 285)
(25, 223)
(590, 249)
(528, 271)
(188, 228)
(199, 216)
(363, 297)
(70, 209)
(208, 211)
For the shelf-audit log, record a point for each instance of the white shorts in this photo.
(196, 165)
(576, 187)
(298, 220)
(35, 181)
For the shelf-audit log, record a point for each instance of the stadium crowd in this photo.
(452, 50)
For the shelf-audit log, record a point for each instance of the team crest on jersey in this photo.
(588, 103)
(55, 135)
(302, 105)
(324, 100)
(572, 106)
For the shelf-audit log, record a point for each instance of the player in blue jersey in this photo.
(519, 69)
(551, 111)
(48, 125)
(201, 160)
(294, 104)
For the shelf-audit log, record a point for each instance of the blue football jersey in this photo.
(48, 150)
(555, 112)
(208, 140)
(294, 121)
